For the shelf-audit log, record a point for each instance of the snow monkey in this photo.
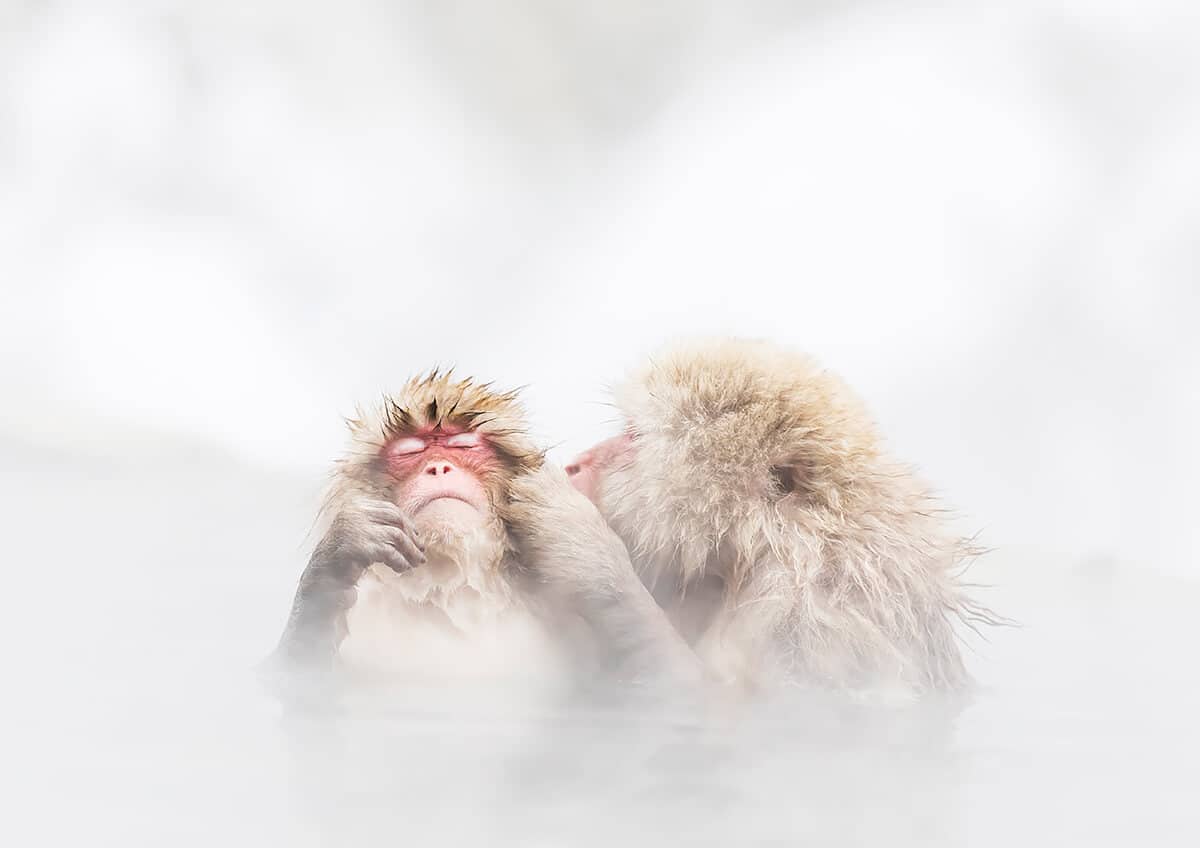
(751, 489)
(435, 561)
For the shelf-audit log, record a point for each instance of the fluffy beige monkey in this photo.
(752, 491)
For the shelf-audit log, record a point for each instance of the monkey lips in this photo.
(445, 491)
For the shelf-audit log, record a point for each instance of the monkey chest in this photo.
(428, 626)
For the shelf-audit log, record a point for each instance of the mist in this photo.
(221, 228)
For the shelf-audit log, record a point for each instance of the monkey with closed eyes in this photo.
(453, 550)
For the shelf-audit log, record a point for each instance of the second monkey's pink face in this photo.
(588, 469)
(441, 472)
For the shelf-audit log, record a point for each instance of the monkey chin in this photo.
(460, 533)
(450, 513)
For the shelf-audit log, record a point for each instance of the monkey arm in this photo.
(301, 668)
(363, 532)
(316, 623)
(569, 553)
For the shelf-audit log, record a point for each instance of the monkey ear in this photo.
(786, 478)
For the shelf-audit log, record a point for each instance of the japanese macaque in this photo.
(752, 492)
(453, 550)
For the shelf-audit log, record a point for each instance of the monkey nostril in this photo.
(445, 469)
(573, 469)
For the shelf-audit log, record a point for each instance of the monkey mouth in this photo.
(444, 496)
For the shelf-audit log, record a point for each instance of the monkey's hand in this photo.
(567, 549)
(362, 532)
(561, 537)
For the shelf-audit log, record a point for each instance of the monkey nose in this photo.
(438, 468)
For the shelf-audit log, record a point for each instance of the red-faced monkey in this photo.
(753, 494)
(452, 549)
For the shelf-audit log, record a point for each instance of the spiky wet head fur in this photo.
(431, 400)
(753, 464)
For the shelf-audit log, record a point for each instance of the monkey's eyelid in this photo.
(464, 440)
(409, 444)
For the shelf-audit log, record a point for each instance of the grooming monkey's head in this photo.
(722, 443)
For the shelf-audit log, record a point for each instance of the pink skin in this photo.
(589, 467)
(440, 464)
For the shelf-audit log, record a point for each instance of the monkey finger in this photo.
(388, 513)
(398, 563)
(380, 511)
(392, 558)
(389, 521)
(406, 545)
(381, 508)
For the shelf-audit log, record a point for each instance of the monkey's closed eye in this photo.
(786, 478)
(410, 444)
(463, 440)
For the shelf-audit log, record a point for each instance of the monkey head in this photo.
(725, 447)
(443, 450)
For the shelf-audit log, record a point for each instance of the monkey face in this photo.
(444, 450)
(588, 470)
(440, 474)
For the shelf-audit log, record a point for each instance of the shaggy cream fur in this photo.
(755, 467)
